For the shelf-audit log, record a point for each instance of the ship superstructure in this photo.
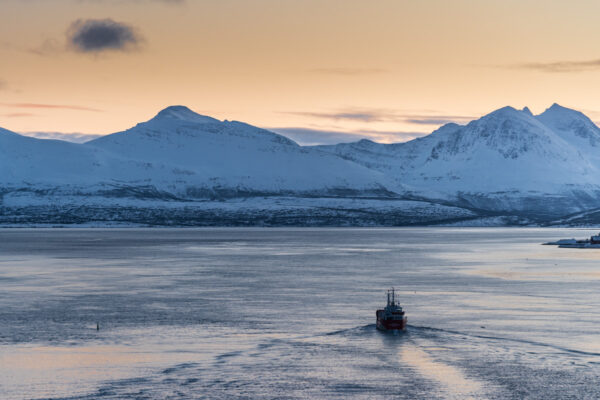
(392, 317)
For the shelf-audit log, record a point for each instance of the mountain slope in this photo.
(182, 154)
(39, 162)
(575, 128)
(506, 160)
(191, 154)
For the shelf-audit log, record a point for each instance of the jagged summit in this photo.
(506, 127)
(182, 113)
(505, 121)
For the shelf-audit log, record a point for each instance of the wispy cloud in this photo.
(348, 71)
(312, 137)
(172, 2)
(69, 137)
(355, 115)
(6, 45)
(380, 115)
(559, 66)
(18, 115)
(48, 47)
(437, 120)
(98, 35)
(49, 106)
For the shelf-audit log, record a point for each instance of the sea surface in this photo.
(290, 313)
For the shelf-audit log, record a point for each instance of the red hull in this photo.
(390, 324)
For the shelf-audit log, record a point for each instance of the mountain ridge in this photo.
(506, 151)
(187, 155)
(508, 163)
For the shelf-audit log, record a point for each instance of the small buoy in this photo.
(97, 326)
(482, 327)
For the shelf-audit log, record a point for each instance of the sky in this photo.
(319, 71)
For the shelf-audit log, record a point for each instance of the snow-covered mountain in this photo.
(185, 155)
(575, 128)
(508, 160)
(509, 165)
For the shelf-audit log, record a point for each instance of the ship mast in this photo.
(391, 301)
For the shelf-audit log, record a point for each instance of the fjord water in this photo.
(289, 313)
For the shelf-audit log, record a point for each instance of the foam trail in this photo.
(514, 340)
(451, 380)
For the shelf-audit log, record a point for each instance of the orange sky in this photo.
(382, 69)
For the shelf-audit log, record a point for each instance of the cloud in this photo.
(173, 2)
(348, 71)
(365, 116)
(47, 48)
(19, 114)
(69, 137)
(48, 106)
(560, 66)
(6, 45)
(312, 137)
(97, 35)
(439, 120)
(380, 115)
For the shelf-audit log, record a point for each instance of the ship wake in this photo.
(451, 381)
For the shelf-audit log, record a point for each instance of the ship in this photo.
(392, 317)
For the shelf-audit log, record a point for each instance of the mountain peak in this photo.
(365, 142)
(571, 125)
(557, 108)
(182, 113)
(560, 111)
(504, 110)
(556, 111)
(507, 112)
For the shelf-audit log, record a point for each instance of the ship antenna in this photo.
(390, 297)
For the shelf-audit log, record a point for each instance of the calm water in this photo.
(289, 314)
